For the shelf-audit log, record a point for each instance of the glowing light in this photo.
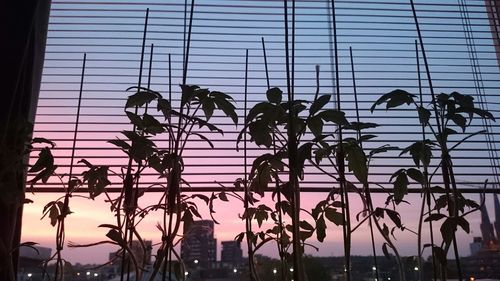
(196, 261)
(30, 274)
(235, 270)
(275, 271)
(416, 268)
(374, 268)
(291, 269)
(88, 273)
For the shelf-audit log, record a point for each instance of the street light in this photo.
(235, 270)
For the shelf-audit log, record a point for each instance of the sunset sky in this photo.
(382, 37)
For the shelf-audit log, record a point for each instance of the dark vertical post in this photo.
(340, 159)
(24, 35)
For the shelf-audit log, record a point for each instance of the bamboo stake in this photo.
(344, 196)
(278, 191)
(298, 272)
(427, 195)
(248, 222)
(129, 179)
(265, 62)
(188, 44)
(365, 186)
(446, 166)
(61, 222)
(167, 256)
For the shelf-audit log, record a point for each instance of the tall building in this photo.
(487, 228)
(199, 247)
(497, 215)
(493, 8)
(476, 245)
(231, 253)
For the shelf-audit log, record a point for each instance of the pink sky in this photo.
(82, 227)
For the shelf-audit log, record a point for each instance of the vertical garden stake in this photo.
(446, 168)
(427, 191)
(365, 185)
(340, 160)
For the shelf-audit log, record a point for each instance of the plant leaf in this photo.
(423, 115)
(394, 98)
(274, 95)
(141, 98)
(400, 185)
(334, 216)
(334, 116)
(320, 229)
(318, 104)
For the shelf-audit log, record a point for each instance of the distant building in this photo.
(31, 260)
(35, 254)
(485, 251)
(487, 232)
(199, 247)
(476, 245)
(231, 253)
(141, 254)
(497, 215)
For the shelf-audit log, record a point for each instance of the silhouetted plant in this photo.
(254, 240)
(358, 162)
(451, 111)
(57, 210)
(281, 118)
(197, 106)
